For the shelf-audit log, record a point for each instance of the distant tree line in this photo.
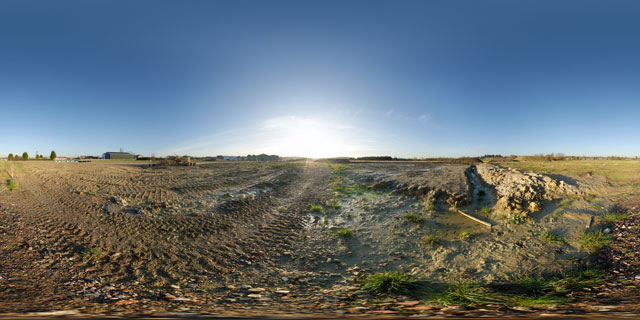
(25, 156)
(261, 157)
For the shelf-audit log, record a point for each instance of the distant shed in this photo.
(119, 155)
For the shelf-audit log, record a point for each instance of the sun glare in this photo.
(293, 136)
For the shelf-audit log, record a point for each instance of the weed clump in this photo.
(345, 233)
(389, 283)
(516, 218)
(485, 210)
(11, 184)
(595, 241)
(315, 208)
(430, 240)
(465, 235)
(551, 238)
(414, 218)
(590, 197)
(91, 253)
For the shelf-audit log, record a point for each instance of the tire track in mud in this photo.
(167, 248)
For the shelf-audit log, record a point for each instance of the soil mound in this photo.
(522, 192)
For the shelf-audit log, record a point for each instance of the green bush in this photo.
(485, 210)
(25, 156)
(52, 156)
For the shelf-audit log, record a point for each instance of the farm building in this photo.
(119, 155)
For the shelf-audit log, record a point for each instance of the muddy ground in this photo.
(229, 236)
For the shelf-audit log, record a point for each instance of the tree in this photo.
(25, 156)
(52, 156)
(10, 157)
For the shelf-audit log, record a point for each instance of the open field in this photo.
(619, 173)
(114, 236)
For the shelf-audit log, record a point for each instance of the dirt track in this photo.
(62, 210)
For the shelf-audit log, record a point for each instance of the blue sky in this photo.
(320, 78)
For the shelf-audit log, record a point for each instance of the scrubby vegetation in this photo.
(465, 235)
(485, 210)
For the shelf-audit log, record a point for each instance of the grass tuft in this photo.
(389, 283)
(465, 235)
(345, 233)
(11, 184)
(485, 210)
(590, 197)
(595, 241)
(431, 240)
(550, 237)
(516, 218)
(91, 253)
(414, 218)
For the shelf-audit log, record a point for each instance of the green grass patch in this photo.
(590, 197)
(565, 204)
(551, 238)
(595, 241)
(91, 253)
(430, 240)
(465, 235)
(432, 207)
(558, 214)
(414, 218)
(389, 283)
(521, 290)
(11, 184)
(614, 217)
(516, 218)
(315, 208)
(467, 293)
(345, 233)
(485, 210)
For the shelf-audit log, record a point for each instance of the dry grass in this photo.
(618, 172)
